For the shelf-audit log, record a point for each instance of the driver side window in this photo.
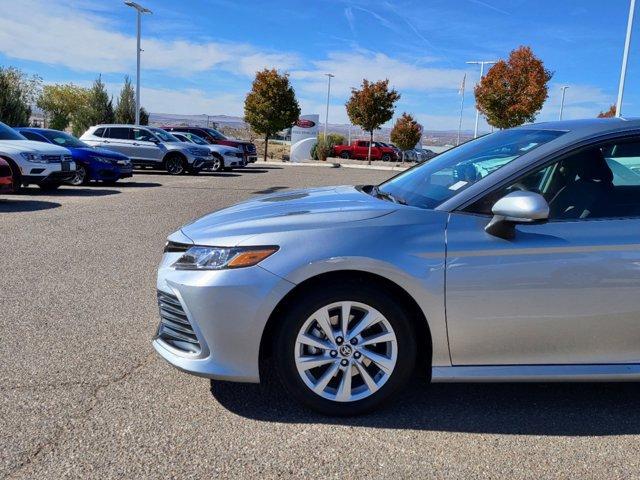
(601, 181)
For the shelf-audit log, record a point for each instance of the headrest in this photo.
(592, 166)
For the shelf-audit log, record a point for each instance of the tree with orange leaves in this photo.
(609, 113)
(513, 91)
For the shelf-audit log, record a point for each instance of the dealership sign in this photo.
(303, 136)
(306, 126)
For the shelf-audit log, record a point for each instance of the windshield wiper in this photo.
(386, 195)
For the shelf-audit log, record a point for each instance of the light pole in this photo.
(462, 85)
(482, 64)
(326, 118)
(564, 89)
(140, 9)
(625, 57)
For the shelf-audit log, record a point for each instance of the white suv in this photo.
(149, 146)
(43, 164)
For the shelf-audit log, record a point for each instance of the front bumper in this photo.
(53, 177)
(42, 173)
(200, 163)
(228, 310)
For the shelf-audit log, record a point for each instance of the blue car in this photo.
(92, 163)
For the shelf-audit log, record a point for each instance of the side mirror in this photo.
(514, 208)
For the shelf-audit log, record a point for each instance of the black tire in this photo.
(49, 187)
(218, 163)
(345, 155)
(386, 157)
(175, 164)
(297, 314)
(15, 176)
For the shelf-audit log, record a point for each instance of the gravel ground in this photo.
(84, 396)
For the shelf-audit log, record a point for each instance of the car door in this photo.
(145, 145)
(117, 139)
(562, 292)
(361, 149)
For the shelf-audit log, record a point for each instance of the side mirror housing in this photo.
(516, 208)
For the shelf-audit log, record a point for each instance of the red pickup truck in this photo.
(359, 149)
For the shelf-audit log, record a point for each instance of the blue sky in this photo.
(200, 55)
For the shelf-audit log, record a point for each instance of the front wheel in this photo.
(174, 165)
(344, 155)
(218, 164)
(346, 349)
(386, 157)
(80, 178)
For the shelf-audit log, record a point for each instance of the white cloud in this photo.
(75, 38)
(351, 68)
(581, 101)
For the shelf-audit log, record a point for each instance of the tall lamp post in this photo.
(482, 64)
(326, 118)
(625, 58)
(564, 89)
(140, 9)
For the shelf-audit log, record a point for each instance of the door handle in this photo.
(134, 143)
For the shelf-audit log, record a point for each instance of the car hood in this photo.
(40, 147)
(286, 211)
(103, 152)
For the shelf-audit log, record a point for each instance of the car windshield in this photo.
(432, 183)
(163, 136)
(196, 139)
(8, 133)
(215, 134)
(62, 139)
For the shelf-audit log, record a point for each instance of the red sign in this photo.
(304, 123)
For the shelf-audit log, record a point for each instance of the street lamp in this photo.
(326, 118)
(564, 89)
(140, 9)
(482, 64)
(625, 58)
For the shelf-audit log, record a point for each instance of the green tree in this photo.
(406, 133)
(64, 103)
(144, 116)
(372, 106)
(100, 104)
(17, 93)
(126, 109)
(323, 148)
(98, 109)
(271, 104)
(513, 91)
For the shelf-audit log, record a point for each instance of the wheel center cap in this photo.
(346, 350)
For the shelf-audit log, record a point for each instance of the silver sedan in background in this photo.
(513, 257)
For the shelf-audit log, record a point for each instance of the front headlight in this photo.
(198, 151)
(218, 258)
(32, 157)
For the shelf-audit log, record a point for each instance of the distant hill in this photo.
(236, 125)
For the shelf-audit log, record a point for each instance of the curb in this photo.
(332, 165)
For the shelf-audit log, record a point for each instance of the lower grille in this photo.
(175, 328)
(52, 158)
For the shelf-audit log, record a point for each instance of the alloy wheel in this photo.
(174, 166)
(346, 351)
(79, 177)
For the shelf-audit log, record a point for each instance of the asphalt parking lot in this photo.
(85, 396)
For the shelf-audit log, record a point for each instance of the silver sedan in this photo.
(513, 257)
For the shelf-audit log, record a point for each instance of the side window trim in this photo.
(544, 162)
